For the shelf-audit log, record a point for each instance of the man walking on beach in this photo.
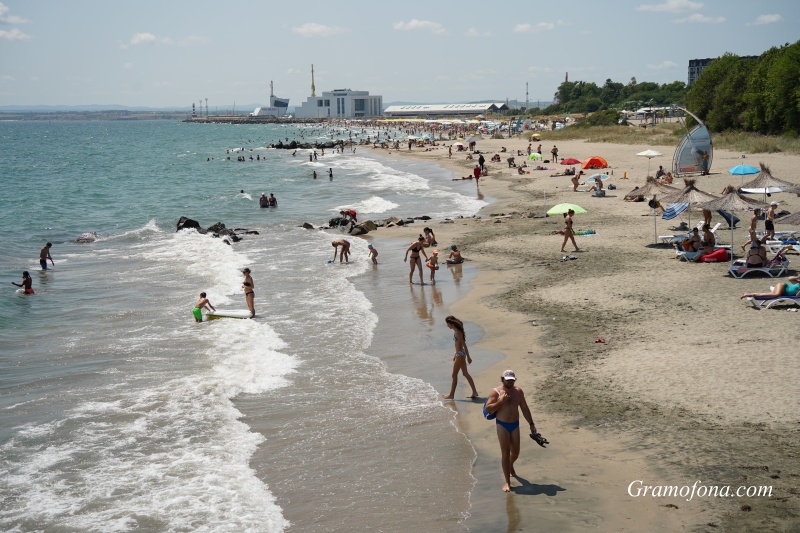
(44, 255)
(554, 151)
(505, 403)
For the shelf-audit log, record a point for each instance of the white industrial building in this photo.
(341, 103)
(444, 109)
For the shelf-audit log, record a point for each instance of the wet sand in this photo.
(690, 384)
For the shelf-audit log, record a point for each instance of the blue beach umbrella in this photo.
(743, 170)
(595, 177)
(674, 210)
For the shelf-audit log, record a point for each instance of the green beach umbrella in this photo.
(560, 209)
(534, 155)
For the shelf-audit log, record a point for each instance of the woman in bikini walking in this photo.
(249, 292)
(415, 249)
(568, 233)
(461, 358)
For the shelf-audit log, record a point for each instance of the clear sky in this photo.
(172, 53)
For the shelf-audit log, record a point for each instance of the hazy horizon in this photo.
(173, 54)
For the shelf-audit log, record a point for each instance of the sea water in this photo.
(119, 412)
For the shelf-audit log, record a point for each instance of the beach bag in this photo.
(486, 414)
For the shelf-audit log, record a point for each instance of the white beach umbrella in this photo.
(649, 154)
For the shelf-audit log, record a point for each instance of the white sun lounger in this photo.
(766, 302)
(774, 270)
(671, 239)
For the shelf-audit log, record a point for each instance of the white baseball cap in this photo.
(509, 375)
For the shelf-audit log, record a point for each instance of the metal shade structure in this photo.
(731, 201)
(649, 154)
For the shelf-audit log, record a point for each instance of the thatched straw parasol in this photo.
(731, 201)
(652, 186)
(689, 195)
(767, 183)
(765, 180)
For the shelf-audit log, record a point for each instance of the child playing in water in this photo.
(433, 264)
(201, 304)
(373, 253)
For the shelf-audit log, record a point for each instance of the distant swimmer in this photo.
(27, 283)
(314, 174)
(263, 201)
(249, 292)
(330, 174)
(44, 255)
(273, 202)
(201, 304)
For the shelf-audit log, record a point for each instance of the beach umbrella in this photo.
(652, 186)
(731, 201)
(674, 210)
(560, 209)
(689, 194)
(534, 155)
(594, 177)
(765, 183)
(594, 162)
(743, 170)
(649, 154)
(570, 161)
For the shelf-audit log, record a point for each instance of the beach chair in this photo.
(774, 269)
(688, 256)
(766, 302)
(672, 239)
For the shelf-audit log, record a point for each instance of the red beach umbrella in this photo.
(570, 161)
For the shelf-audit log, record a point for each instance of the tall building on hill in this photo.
(696, 66)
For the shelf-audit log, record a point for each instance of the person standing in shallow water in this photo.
(27, 283)
(506, 402)
(461, 358)
(249, 292)
(416, 262)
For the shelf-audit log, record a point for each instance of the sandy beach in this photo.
(691, 386)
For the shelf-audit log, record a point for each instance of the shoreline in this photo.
(624, 439)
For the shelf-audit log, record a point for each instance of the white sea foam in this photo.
(370, 206)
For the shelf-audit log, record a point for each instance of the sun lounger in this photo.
(688, 256)
(738, 269)
(766, 302)
(671, 239)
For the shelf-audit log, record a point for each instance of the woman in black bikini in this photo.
(461, 358)
(568, 233)
(249, 293)
(415, 249)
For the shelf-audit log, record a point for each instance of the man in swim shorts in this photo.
(201, 304)
(506, 402)
(44, 255)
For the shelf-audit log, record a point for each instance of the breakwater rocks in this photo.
(218, 230)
